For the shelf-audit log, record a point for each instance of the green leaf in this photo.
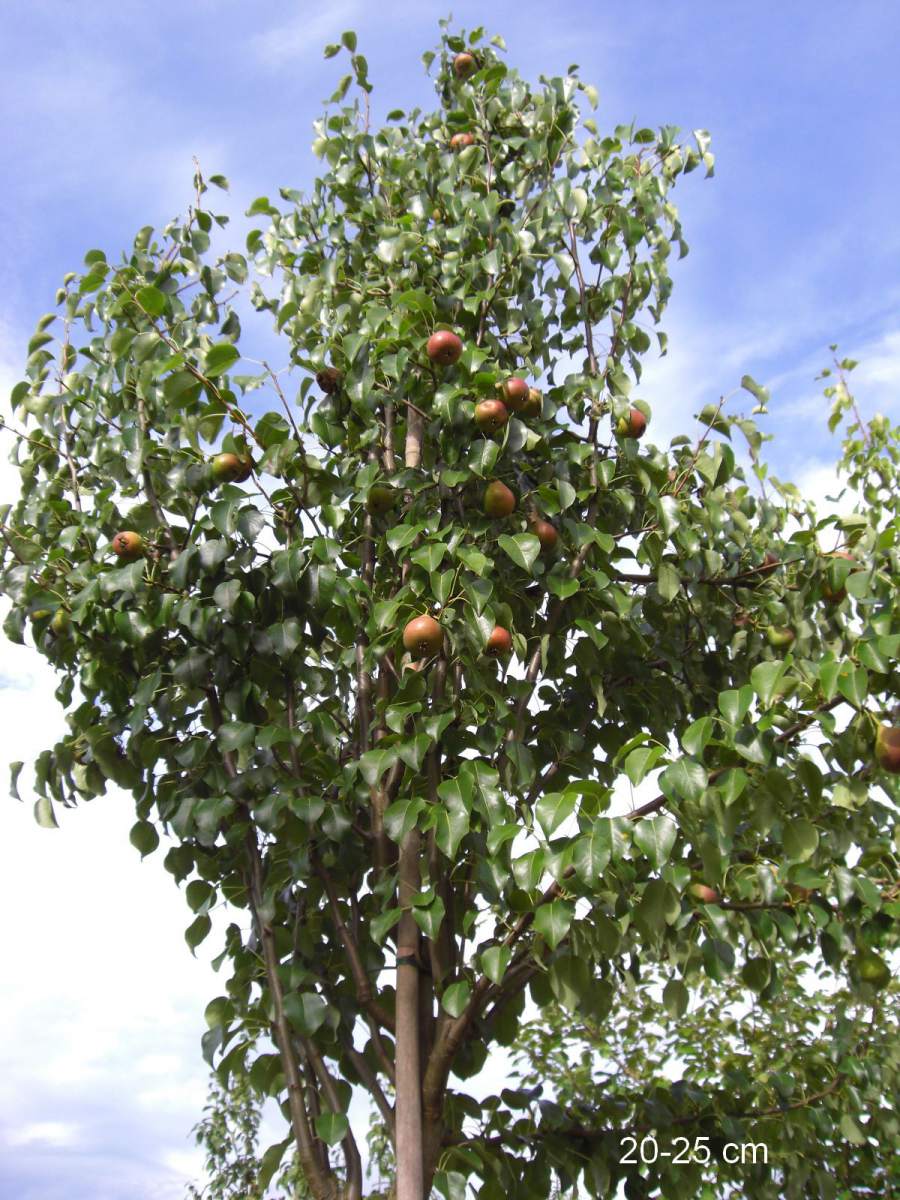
(234, 735)
(656, 837)
(402, 536)
(219, 358)
(523, 549)
(800, 840)
(570, 981)
(494, 962)
(668, 581)
(380, 926)
(450, 827)
(853, 684)
(374, 763)
(400, 817)
(659, 906)
(429, 917)
(759, 393)
(43, 813)
(456, 997)
(765, 678)
(197, 931)
(567, 494)
(306, 1011)
(685, 778)
(15, 770)
(642, 760)
(144, 837)
(675, 998)
(151, 300)
(696, 737)
(331, 1127)
(734, 705)
(552, 809)
(271, 1161)
(226, 594)
(553, 921)
(593, 851)
(851, 1131)
(412, 751)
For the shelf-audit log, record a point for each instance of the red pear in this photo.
(499, 500)
(423, 636)
(444, 347)
(499, 643)
(491, 415)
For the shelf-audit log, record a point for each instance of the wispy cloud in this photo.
(304, 35)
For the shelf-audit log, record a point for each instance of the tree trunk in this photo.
(408, 1142)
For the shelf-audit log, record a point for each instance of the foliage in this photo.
(419, 844)
(229, 1134)
(793, 1096)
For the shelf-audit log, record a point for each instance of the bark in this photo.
(410, 1183)
(408, 1144)
(322, 1185)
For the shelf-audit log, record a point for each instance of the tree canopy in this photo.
(391, 719)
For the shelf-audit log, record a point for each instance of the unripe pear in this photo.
(831, 594)
(780, 636)
(61, 624)
(871, 968)
(380, 498)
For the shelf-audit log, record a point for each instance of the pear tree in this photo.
(418, 838)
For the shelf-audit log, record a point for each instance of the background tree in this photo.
(272, 622)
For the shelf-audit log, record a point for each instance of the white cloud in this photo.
(303, 36)
(44, 1133)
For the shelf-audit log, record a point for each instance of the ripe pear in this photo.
(704, 893)
(423, 636)
(534, 405)
(464, 65)
(230, 468)
(128, 545)
(329, 380)
(491, 415)
(499, 500)
(633, 426)
(546, 534)
(499, 643)
(887, 748)
(444, 347)
(515, 393)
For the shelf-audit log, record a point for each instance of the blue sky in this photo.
(794, 244)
